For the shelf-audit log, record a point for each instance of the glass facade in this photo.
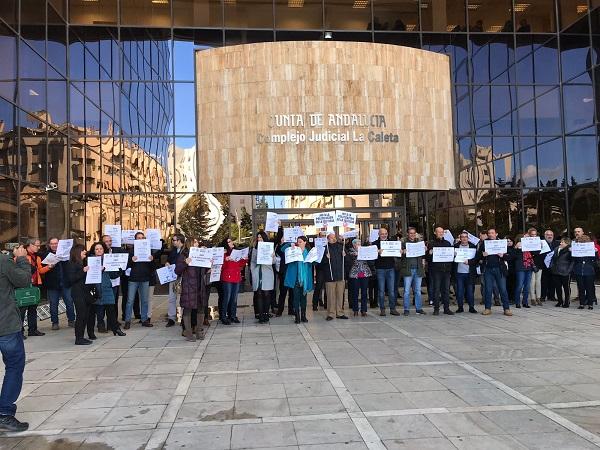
(97, 105)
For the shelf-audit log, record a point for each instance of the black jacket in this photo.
(473, 263)
(516, 258)
(140, 271)
(493, 260)
(336, 259)
(438, 266)
(540, 257)
(56, 278)
(561, 262)
(173, 255)
(383, 262)
(76, 277)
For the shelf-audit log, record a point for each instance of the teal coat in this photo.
(298, 271)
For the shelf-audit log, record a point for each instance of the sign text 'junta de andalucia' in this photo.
(323, 128)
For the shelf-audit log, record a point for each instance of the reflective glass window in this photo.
(197, 13)
(503, 104)
(185, 42)
(157, 14)
(403, 39)
(32, 96)
(8, 44)
(582, 160)
(299, 14)
(578, 104)
(8, 212)
(529, 175)
(76, 108)
(446, 15)
(350, 15)
(527, 118)
(9, 10)
(392, 15)
(248, 14)
(492, 59)
(33, 24)
(545, 209)
(58, 215)
(490, 16)
(575, 53)
(285, 35)
(32, 212)
(58, 170)
(31, 65)
(550, 164)
(463, 110)
(571, 12)
(58, 7)
(535, 16)
(84, 12)
(547, 107)
(234, 37)
(584, 207)
(185, 163)
(453, 45)
(8, 139)
(57, 102)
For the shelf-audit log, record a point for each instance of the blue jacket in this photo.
(106, 289)
(296, 270)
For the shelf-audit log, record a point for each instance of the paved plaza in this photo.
(531, 381)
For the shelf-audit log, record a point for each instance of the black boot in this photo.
(303, 315)
(297, 317)
(559, 304)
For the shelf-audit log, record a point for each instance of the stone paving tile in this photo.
(586, 417)
(263, 435)
(404, 427)
(214, 437)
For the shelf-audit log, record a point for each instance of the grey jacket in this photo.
(261, 273)
(12, 275)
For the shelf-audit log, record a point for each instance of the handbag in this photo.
(28, 296)
(93, 294)
(177, 286)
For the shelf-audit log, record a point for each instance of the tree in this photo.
(224, 229)
(194, 217)
(245, 221)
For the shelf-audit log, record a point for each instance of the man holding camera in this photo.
(13, 274)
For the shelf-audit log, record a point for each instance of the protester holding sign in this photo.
(386, 276)
(104, 293)
(193, 291)
(231, 278)
(494, 272)
(284, 291)
(465, 273)
(561, 266)
(332, 266)
(524, 268)
(299, 277)
(84, 302)
(37, 270)
(178, 241)
(57, 286)
(412, 269)
(139, 281)
(547, 289)
(532, 243)
(440, 273)
(263, 277)
(358, 279)
(584, 271)
(320, 243)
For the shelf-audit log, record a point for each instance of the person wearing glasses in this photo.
(37, 270)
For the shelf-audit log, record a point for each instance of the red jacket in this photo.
(231, 272)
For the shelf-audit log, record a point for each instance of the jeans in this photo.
(441, 289)
(132, 288)
(586, 289)
(493, 277)
(101, 309)
(464, 289)
(415, 281)
(54, 296)
(523, 280)
(230, 293)
(356, 285)
(13, 355)
(386, 280)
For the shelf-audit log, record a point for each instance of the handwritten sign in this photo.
(583, 249)
(264, 253)
(292, 234)
(367, 253)
(141, 249)
(293, 254)
(496, 246)
(346, 219)
(272, 222)
(324, 219)
(94, 273)
(443, 254)
(113, 262)
(215, 273)
(464, 254)
(201, 257)
(218, 255)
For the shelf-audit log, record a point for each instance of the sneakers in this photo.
(55, 327)
(10, 423)
(507, 312)
(146, 323)
(487, 312)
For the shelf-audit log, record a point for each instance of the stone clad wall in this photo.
(241, 88)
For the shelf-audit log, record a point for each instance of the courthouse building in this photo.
(122, 110)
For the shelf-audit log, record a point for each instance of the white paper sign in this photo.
(141, 249)
(320, 245)
(448, 236)
(153, 235)
(238, 255)
(215, 273)
(115, 281)
(464, 254)
(346, 219)
(548, 259)
(272, 222)
(293, 254)
(218, 255)
(64, 249)
(472, 239)
(545, 247)
(201, 257)
(313, 255)
(391, 248)
(166, 274)
(350, 234)
(51, 259)
(114, 231)
(324, 219)
(292, 234)
(374, 235)
(443, 254)
(94, 273)
(367, 253)
(128, 236)
(531, 244)
(415, 249)
(582, 249)
(115, 261)
(495, 247)
(264, 253)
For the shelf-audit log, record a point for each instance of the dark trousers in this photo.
(511, 285)
(193, 320)
(283, 292)
(85, 318)
(560, 285)
(299, 299)
(465, 290)
(101, 310)
(356, 285)
(13, 355)
(263, 301)
(441, 289)
(549, 286)
(31, 317)
(319, 289)
(587, 290)
(373, 291)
